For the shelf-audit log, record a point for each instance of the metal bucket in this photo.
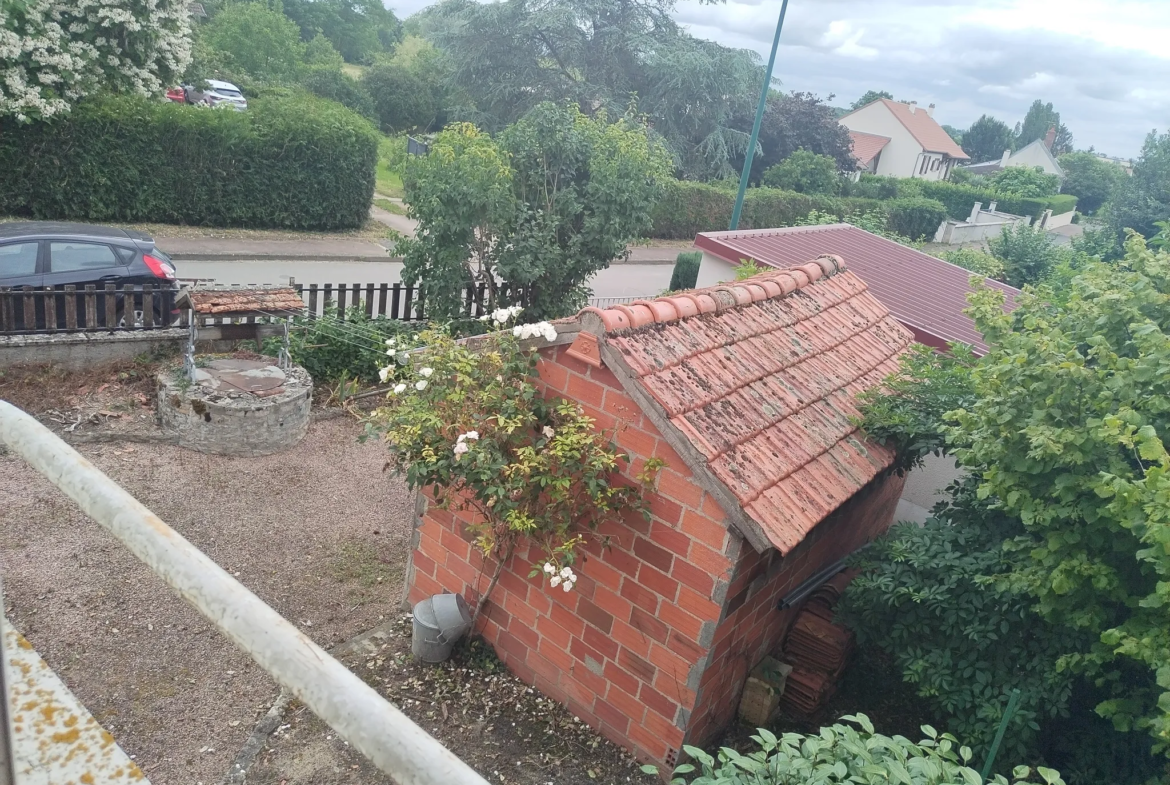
(439, 622)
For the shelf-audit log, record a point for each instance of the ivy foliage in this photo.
(843, 753)
(533, 213)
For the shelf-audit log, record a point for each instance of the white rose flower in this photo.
(568, 585)
(555, 581)
(460, 448)
(566, 573)
(485, 317)
(473, 435)
(549, 568)
(420, 385)
(518, 331)
(426, 372)
(384, 374)
(515, 310)
(548, 432)
(390, 341)
(399, 388)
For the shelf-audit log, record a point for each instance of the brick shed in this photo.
(746, 392)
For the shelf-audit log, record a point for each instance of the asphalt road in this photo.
(620, 280)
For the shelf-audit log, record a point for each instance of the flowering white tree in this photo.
(54, 52)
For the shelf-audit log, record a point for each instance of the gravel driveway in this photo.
(319, 532)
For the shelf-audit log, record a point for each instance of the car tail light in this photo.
(160, 268)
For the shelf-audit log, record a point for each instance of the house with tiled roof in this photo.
(747, 392)
(917, 147)
(867, 150)
(926, 294)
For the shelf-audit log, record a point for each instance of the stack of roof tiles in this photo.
(760, 376)
(817, 650)
(225, 302)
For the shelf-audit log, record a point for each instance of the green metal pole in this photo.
(1013, 703)
(751, 150)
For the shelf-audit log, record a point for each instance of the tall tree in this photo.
(359, 29)
(509, 56)
(1090, 179)
(869, 97)
(987, 138)
(1144, 198)
(1040, 118)
(799, 121)
(250, 39)
(548, 204)
(53, 53)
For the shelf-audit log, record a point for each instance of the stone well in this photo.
(236, 407)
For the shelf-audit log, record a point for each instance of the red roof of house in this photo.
(923, 128)
(866, 146)
(924, 293)
(756, 381)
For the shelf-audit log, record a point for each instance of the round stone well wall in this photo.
(236, 407)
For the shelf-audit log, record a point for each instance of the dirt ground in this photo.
(319, 533)
(501, 727)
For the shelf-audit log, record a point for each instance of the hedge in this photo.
(303, 164)
(959, 199)
(917, 219)
(688, 208)
(1062, 203)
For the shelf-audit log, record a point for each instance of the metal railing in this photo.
(386, 736)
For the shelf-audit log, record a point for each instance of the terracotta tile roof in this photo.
(225, 302)
(924, 129)
(760, 377)
(866, 146)
(924, 293)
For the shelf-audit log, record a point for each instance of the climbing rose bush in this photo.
(469, 420)
(53, 53)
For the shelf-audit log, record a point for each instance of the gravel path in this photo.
(319, 532)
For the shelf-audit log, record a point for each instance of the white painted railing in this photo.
(386, 736)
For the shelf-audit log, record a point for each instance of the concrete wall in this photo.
(924, 488)
(1056, 221)
(713, 270)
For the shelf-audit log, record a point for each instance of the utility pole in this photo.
(751, 150)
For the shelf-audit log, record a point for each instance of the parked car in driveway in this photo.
(45, 254)
(217, 93)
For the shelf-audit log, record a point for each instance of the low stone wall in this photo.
(77, 351)
(235, 424)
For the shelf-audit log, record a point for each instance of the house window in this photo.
(925, 163)
(934, 165)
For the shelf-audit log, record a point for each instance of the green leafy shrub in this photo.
(845, 754)
(297, 164)
(804, 172)
(976, 261)
(332, 350)
(915, 218)
(333, 84)
(1024, 181)
(686, 271)
(403, 100)
(687, 208)
(926, 595)
(1027, 254)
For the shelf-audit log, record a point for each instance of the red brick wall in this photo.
(752, 625)
(623, 650)
(653, 644)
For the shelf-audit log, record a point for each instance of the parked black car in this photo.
(45, 254)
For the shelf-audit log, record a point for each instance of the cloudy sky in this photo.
(1105, 64)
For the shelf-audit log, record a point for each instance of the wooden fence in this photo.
(100, 309)
(87, 308)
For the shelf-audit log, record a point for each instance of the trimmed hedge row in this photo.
(958, 197)
(303, 164)
(688, 208)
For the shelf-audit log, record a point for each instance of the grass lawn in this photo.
(389, 206)
(387, 182)
(353, 69)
